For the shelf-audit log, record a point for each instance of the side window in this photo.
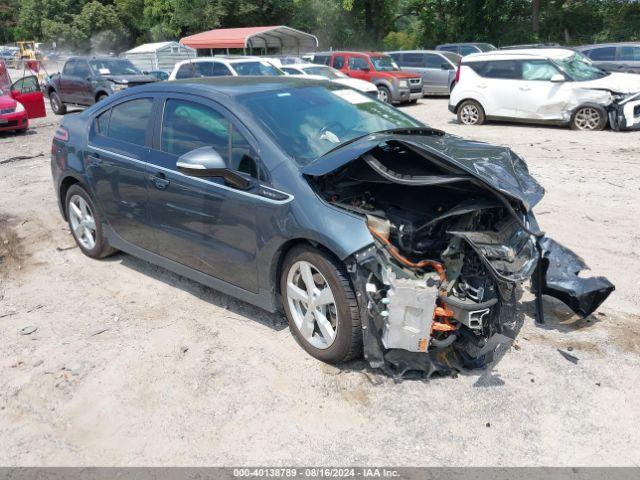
(69, 68)
(505, 69)
(321, 59)
(435, 61)
(449, 48)
(357, 63)
(290, 71)
(204, 69)
(467, 49)
(538, 70)
(413, 60)
(186, 71)
(188, 125)
(603, 54)
(220, 70)
(129, 121)
(338, 62)
(102, 123)
(630, 53)
(26, 84)
(82, 69)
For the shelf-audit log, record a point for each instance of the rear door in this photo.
(358, 67)
(27, 91)
(203, 223)
(497, 84)
(116, 164)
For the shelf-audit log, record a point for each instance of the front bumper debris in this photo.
(625, 114)
(560, 279)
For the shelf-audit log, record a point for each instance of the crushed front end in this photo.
(454, 238)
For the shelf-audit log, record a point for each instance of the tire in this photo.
(57, 106)
(384, 94)
(413, 102)
(471, 112)
(589, 118)
(101, 97)
(88, 226)
(342, 315)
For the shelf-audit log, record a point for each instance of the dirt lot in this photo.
(132, 365)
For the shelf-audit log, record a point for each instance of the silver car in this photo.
(614, 57)
(438, 69)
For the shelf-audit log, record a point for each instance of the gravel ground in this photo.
(133, 365)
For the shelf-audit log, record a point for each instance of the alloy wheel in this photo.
(470, 114)
(382, 96)
(82, 221)
(587, 118)
(312, 305)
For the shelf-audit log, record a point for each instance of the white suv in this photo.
(558, 86)
(223, 66)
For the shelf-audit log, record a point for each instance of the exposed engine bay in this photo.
(451, 250)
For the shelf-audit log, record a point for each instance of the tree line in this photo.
(115, 25)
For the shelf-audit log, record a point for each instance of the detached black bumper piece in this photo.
(560, 270)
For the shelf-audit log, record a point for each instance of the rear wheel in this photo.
(471, 112)
(321, 305)
(85, 224)
(589, 118)
(57, 106)
(101, 97)
(384, 94)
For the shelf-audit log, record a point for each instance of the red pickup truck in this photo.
(394, 85)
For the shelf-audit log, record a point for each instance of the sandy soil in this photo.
(132, 365)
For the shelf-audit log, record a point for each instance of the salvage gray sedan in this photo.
(371, 231)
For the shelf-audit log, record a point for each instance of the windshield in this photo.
(580, 68)
(113, 67)
(384, 63)
(308, 122)
(323, 71)
(485, 47)
(259, 67)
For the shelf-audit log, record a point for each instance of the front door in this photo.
(115, 161)
(201, 222)
(539, 98)
(27, 91)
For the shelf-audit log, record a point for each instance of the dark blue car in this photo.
(371, 231)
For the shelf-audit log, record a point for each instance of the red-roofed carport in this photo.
(251, 38)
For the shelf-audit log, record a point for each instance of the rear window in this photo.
(129, 121)
(506, 69)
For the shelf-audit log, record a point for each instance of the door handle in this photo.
(160, 181)
(482, 85)
(525, 89)
(94, 159)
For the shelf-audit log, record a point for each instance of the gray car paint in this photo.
(435, 80)
(239, 245)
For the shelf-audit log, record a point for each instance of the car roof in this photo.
(540, 53)
(437, 52)
(608, 44)
(354, 52)
(222, 59)
(231, 86)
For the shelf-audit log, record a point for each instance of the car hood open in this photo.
(495, 166)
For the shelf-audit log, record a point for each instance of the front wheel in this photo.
(101, 97)
(589, 118)
(321, 305)
(471, 113)
(84, 222)
(57, 106)
(384, 94)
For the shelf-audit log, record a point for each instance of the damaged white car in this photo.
(556, 86)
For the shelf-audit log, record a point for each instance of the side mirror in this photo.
(557, 78)
(207, 162)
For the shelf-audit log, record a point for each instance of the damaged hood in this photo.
(616, 82)
(495, 166)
